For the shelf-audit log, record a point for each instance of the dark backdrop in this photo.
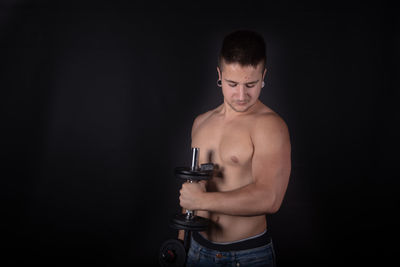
(97, 102)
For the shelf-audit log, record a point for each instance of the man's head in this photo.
(241, 68)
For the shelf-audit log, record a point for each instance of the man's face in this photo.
(241, 85)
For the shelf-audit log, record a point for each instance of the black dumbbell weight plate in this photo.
(172, 253)
(186, 173)
(197, 223)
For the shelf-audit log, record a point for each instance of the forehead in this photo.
(237, 72)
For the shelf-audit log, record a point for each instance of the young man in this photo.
(250, 145)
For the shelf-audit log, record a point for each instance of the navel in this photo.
(234, 159)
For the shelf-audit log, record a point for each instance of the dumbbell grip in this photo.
(195, 167)
(189, 213)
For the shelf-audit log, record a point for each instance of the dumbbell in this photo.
(173, 252)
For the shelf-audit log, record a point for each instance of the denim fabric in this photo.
(260, 256)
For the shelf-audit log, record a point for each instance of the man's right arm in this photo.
(196, 122)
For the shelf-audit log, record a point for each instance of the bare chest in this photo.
(229, 146)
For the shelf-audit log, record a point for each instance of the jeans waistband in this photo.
(247, 243)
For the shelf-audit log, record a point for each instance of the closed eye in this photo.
(248, 85)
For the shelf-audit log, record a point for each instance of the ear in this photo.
(219, 73)
(264, 73)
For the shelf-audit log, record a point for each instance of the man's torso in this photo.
(228, 144)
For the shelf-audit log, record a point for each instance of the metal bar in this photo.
(194, 167)
(195, 158)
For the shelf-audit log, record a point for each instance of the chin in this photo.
(244, 107)
(240, 108)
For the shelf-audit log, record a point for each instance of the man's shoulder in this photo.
(268, 122)
(203, 118)
(270, 134)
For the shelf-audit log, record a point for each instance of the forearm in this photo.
(250, 200)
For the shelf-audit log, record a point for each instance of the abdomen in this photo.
(227, 228)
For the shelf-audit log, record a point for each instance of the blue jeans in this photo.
(202, 256)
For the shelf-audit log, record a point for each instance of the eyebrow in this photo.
(237, 82)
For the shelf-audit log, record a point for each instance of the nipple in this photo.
(234, 159)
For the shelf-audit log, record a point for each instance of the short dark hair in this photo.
(245, 47)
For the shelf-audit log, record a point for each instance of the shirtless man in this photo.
(250, 144)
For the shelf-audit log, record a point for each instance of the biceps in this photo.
(272, 170)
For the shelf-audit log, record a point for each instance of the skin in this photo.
(250, 145)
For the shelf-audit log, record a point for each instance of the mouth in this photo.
(241, 103)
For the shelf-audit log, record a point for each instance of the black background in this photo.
(97, 102)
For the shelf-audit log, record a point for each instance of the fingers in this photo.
(181, 198)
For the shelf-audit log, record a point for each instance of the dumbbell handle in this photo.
(194, 167)
(195, 158)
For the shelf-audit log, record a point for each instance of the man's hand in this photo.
(192, 194)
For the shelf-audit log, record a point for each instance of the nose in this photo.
(242, 93)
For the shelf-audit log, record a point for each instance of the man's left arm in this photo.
(271, 167)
